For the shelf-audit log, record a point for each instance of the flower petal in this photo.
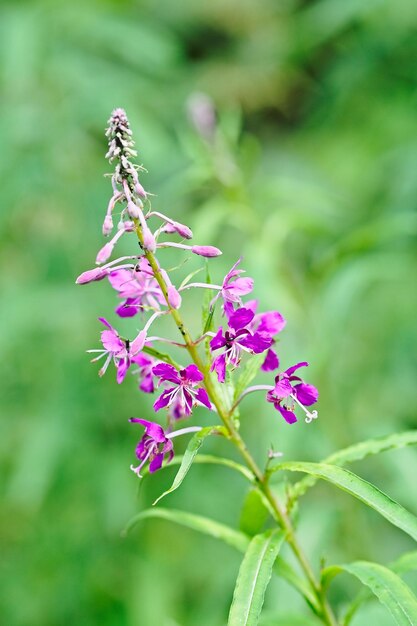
(163, 400)
(306, 394)
(219, 366)
(240, 287)
(112, 342)
(156, 462)
(271, 323)
(147, 384)
(257, 343)
(271, 362)
(129, 308)
(292, 369)
(241, 318)
(218, 340)
(192, 374)
(282, 389)
(289, 416)
(202, 397)
(122, 367)
(119, 279)
(154, 430)
(164, 371)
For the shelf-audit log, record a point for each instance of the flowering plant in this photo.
(216, 372)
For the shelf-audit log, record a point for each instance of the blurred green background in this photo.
(310, 174)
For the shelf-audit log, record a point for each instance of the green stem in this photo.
(280, 513)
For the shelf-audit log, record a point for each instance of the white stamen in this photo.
(310, 415)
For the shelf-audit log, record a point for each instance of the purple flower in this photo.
(233, 288)
(268, 324)
(137, 287)
(145, 365)
(153, 447)
(114, 349)
(290, 389)
(184, 391)
(119, 350)
(236, 339)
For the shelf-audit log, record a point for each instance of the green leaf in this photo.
(361, 489)
(189, 277)
(254, 513)
(199, 523)
(388, 587)
(208, 312)
(162, 356)
(210, 460)
(232, 537)
(193, 447)
(253, 578)
(289, 619)
(406, 563)
(357, 452)
(249, 372)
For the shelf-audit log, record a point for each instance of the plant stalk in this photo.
(280, 513)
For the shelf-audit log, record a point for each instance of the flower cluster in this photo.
(147, 292)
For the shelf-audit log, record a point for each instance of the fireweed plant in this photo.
(216, 372)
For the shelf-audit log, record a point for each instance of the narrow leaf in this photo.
(209, 460)
(361, 489)
(189, 277)
(199, 523)
(357, 452)
(388, 587)
(187, 460)
(254, 513)
(406, 563)
(253, 578)
(232, 537)
(208, 311)
(249, 372)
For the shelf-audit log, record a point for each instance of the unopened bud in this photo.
(181, 229)
(107, 225)
(104, 253)
(140, 190)
(208, 251)
(137, 344)
(149, 242)
(133, 210)
(98, 273)
(174, 297)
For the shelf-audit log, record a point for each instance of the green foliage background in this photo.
(312, 178)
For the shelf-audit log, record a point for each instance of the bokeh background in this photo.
(310, 173)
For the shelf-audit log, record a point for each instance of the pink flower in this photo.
(183, 390)
(233, 288)
(137, 287)
(114, 349)
(290, 390)
(153, 446)
(234, 340)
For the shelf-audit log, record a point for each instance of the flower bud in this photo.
(133, 210)
(174, 297)
(140, 190)
(137, 344)
(149, 242)
(104, 253)
(179, 228)
(208, 251)
(107, 225)
(98, 273)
